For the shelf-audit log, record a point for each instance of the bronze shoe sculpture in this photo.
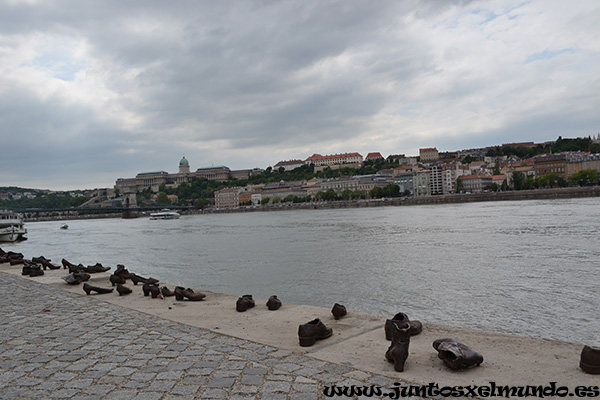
(116, 280)
(456, 355)
(415, 326)
(245, 302)
(87, 288)
(273, 303)
(66, 264)
(181, 293)
(312, 331)
(151, 289)
(165, 292)
(590, 360)
(123, 290)
(96, 268)
(45, 262)
(137, 279)
(75, 278)
(397, 353)
(338, 311)
(122, 272)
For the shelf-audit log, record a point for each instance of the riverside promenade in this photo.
(61, 345)
(56, 342)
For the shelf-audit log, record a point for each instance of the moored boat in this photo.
(165, 214)
(11, 226)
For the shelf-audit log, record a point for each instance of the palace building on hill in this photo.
(152, 180)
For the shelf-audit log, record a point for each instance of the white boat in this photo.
(165, 214)
(11, 226)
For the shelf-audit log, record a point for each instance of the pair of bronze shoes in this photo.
(153, 290)
(31, 269)
(244, 302)
(183, 293)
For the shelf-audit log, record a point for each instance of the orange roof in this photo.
(374, 155)
(428, 149)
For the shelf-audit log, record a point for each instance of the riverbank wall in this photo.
(521, 195)
(538, 194)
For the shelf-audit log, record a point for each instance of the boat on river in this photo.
(11, 226)
(165, 214)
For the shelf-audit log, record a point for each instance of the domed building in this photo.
(184, 166)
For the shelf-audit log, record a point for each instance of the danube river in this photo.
(523, 267)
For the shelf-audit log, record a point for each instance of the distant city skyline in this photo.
(97, 90)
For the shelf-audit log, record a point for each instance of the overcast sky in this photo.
(91, 91)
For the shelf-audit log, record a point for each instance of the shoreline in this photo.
(358, 339)
(521, 195)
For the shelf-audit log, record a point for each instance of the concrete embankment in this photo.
(540, 194)
(358, 341)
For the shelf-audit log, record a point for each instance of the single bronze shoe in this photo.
(456, 355)
(181, 293)
(338, 311)
(273, 303)
(590, 360)
(96, 268)
(116, 280)
(137, 279)
(245, 302)
(26, 269)
(312, 331)
(165, 292)
(66, 264)
(397, 353)
(87, 288)
(123, 290)
(415, 326)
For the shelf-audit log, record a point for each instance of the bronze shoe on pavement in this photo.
(137, 279)
(87, 288)
(455, 354)
(338, 311)
(415, 326)
(273, 303)
(245, 302)
(165, 292)
(590, 360)
(181, 293)
(116, 280)
(123, 290)
(96, 268)
(312, 331)
(151, 289)
(397, 353)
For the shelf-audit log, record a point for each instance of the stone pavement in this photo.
(59, 345)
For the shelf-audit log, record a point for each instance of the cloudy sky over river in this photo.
(91, 91)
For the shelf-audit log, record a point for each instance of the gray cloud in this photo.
(90, 92)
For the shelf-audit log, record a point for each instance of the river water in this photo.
(522, 267)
